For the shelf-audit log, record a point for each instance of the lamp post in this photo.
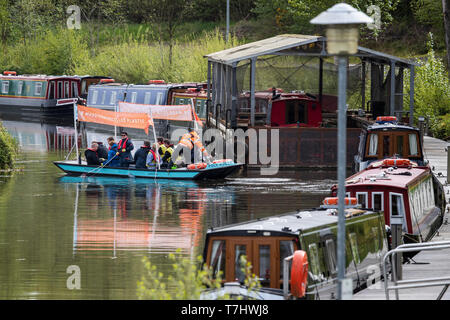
(342, 22)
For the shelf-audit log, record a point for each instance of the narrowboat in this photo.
(38, 93)
(401, 188)
(386, 138)
(107, 95)
(273, 108)
(267, 243)
(276, 108)
(87, 81)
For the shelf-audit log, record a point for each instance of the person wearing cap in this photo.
(125, 146)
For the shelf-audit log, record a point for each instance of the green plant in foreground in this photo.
(8, 149)
(186, 280)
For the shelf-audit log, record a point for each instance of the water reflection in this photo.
(49, 221)
(133, 210)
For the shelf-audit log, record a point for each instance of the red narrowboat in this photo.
(401, 188)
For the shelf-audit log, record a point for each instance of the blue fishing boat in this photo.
(212, 171)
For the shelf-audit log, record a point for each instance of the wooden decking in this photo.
(426, 264)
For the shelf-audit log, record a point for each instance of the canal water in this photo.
(50, 222)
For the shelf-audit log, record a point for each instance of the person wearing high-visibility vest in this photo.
(188, 142)
(167, 157)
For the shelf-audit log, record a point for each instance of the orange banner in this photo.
(119, 119)
(164, 112)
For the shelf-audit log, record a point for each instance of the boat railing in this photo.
(414, 283)
(286, 264)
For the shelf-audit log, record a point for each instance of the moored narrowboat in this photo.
(38, 93)
(385, 139)
(401, 188)
(267, 242)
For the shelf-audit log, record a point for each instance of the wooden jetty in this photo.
(426, 264)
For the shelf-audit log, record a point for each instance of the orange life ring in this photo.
(333, 201)
(196, 166)
(396, 163)
(156, 82)
(9, 73)
(299, 273)
(106, 81)
(387, 118)
(222, 161)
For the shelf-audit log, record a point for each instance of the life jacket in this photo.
(163, 148)
(186, 141)
(154, 156)
(170, 150)
(198, 142)
(122, 144)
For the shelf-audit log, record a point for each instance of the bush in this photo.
(8, 149)
(186, 280)
(431, 92)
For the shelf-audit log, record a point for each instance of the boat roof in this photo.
(146, 86)
(377, 175)
(37, 77)
(389, 126)
(285, 224)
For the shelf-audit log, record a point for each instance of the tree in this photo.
(166, 16)
(446, 11)
(5, 22)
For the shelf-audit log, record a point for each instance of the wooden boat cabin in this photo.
(198, 96)
(87, 81)
(386, 138)
(40, 93)
(401, 188)
(267, 242)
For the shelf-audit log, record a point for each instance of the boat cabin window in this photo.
(399, 146)
(218, 257)
(103, 97)
(60, 90)
(331, 255)
(66, 89)
(265, 254)
(413, 150)
(94, 96)
(362, 199)
(377, 201)
(314, 260)
(38, 89)
(147, 97)
(5, 87)
(397, 207)
(133, 97)
(112, 100)
(19, 87)
(386, 146)
(74, 89)
(296, 112)
(200, 107)
(373, 144)
(159, 98)
(354, 247)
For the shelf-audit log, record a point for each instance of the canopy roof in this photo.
(283, 44)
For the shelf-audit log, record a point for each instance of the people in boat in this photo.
(152, 157)
(161, 146)
(188, 142)
(125, 146)
(140, 157)
(102, 150)
(113, 158)
(167, 157)
(91, 155)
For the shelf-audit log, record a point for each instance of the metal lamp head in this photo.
(342, 21)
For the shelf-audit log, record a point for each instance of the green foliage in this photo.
(135, 61)
(186, 280)
(429, 13)
(8, 149)
(54, 52)
(431, 93)
(294, 15)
